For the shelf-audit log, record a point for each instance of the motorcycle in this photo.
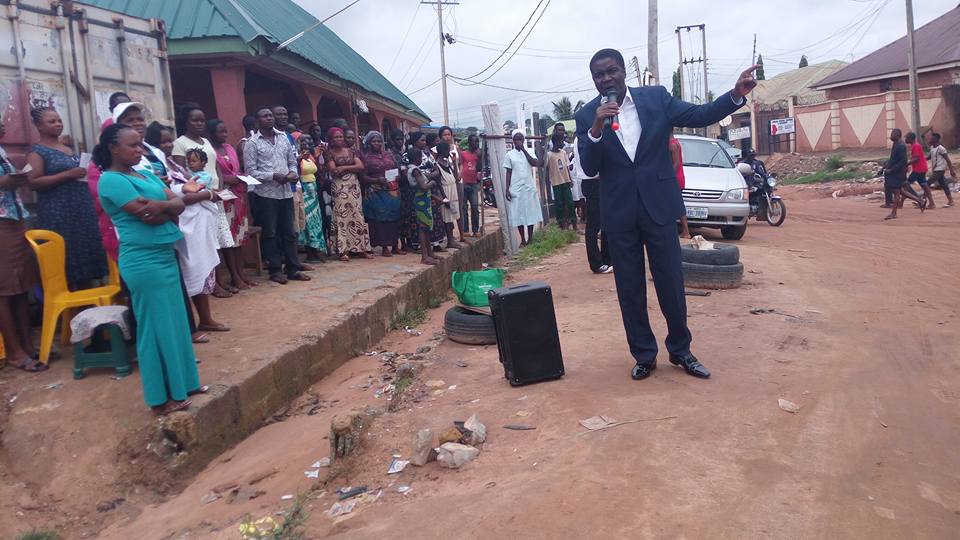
(764, 205)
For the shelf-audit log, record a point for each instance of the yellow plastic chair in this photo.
(57, 297)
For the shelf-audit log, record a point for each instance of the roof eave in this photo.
(892, 74)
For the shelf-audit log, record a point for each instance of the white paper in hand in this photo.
(392, 174)
(248, 180)
(226, 195)
(85, 160)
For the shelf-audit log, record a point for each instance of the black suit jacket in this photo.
(651, 172)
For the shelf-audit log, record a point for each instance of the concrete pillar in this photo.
(834, 125)
(890, 108)
(791, 112)
(228, 87)
(754, 138)
(313, 96)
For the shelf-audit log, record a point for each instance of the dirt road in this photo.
(864, 340)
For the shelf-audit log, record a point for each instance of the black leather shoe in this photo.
(692, 366)
(641, 372)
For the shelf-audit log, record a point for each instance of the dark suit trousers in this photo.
(277, 234)
(598, 254)
(663, 248)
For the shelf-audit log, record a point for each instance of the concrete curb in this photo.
(230, 413)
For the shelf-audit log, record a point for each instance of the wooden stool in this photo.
(250, 251)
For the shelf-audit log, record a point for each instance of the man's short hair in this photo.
(935, 137)
(897, 131)
(559, 124)
(608, 53)
(261, 108)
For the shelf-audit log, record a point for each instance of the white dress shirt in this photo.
(630, 128)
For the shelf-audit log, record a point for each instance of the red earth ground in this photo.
(864, 338)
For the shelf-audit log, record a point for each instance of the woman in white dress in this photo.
(523, 201)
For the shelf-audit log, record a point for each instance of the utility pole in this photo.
(706, 90)
(636, 68)
(753, 56)
(912, 63)
(653, 62)
(443, 61)
(700, 60)
(680, 65)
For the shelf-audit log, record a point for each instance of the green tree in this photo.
(578, 106)
(803, 61)
(710, 96)
(677, 89)
(509, 126)
(760, 76)
(563, 109)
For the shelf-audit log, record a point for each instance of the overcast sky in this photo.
(555, 55)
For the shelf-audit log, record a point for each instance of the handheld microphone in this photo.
(613, 122)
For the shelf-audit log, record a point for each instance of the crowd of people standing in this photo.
(173, 206)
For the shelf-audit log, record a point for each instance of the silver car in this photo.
(715, 193)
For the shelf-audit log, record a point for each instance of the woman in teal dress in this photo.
(144, 213)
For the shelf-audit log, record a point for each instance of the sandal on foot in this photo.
(201, 338)
(202, 389)
(278, 278)
(168, 408)
(344, 258)
(213, 328)
(222, 293)
(299, 276)
(31, 366)
(890, 217)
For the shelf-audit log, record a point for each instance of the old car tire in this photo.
(732, 232)
(712, 276)
(469, 327)
(720, 254)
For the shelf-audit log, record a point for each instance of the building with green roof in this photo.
(223, 56)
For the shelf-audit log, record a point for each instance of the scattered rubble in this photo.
(455, 455)
(788, 406)
(422, 451)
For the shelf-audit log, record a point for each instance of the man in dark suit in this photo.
(641, 200)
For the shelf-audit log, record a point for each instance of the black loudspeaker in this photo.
(527, 335)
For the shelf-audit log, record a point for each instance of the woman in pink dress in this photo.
(228, 167)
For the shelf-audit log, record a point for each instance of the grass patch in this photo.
(289, 526)
(410, 318)
(824, 176)
(437, 301)
(38, 535)
(546, 242)
(834, 163)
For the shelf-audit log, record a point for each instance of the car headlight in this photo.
(771, 181)
(738, 194)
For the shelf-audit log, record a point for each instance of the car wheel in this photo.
(469, 327)
(712, 276)
(731, 232)
(720, 254)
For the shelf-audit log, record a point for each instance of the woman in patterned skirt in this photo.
(64, 204)
(351, 229)
(228, 167)
(311, 237)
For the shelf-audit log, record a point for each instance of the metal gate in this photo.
(766, 143)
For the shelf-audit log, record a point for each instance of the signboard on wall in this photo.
(782, 126)
(736, 134)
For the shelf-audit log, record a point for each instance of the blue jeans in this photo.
(471, 193)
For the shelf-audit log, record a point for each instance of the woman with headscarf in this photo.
(381, 201)
(523, 202)
(429, 165)
(64, 204)
(344, 165)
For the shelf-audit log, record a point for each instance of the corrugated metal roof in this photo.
(936, 43)
(795, 82)
(274, 20)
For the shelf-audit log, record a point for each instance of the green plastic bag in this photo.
(472, 287)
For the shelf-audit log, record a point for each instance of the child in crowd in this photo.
(423, 198)
(558, 167)
(196, 161)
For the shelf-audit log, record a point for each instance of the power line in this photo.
(459, 79)
(429, 34)
(532, 27)
(423, 88)
(404, 40)
(512, 41)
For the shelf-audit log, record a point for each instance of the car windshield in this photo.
(701, 153)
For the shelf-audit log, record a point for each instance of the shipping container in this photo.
(73, 56)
